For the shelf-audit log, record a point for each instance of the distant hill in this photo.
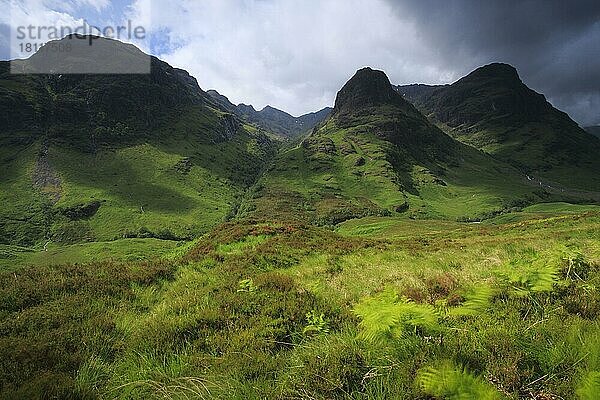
(493, 110)
(272, 119)
(97, 157)
(378, 155)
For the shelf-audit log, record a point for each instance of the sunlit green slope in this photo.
(377, 155)
(101, 157)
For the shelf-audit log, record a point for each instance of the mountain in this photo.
(102, 100)
(493, 110)
(95, 157)
(378, 155)
(272, 119)
(594, 130)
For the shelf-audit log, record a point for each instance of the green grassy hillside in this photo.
(169, 250)
(171, 188)
(377, 155)
(97, 158)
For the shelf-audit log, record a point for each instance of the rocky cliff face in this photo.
(367, 88)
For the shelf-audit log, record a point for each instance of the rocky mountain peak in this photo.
(496, 70)
(367, 88)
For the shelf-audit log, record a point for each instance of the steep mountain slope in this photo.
(272, 119)
(377, 155)
(99, 157)
(493, 110)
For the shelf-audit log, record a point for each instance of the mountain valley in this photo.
(421, 242)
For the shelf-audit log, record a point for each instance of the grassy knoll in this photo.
(387, 307)
(14, 257)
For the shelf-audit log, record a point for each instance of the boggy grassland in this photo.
(380, 308)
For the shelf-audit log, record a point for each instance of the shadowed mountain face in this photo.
(493, 110)
(594, 130)
(367, 88)
(369, 100)
(490, 92)
(86, 110)
(90, 108)
(272, 119)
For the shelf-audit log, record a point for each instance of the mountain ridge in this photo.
(156, 155)
(273, 119)
(151, 155)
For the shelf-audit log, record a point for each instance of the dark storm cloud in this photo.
(555, 44)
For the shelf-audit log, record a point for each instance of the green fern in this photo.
(316, 323)
(246, 285)
(476, 302)
(448, 382)
(388, 316)
(589, 387)
(534, 275)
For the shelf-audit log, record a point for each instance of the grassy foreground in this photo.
(383, 308)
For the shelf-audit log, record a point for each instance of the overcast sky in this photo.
(295, 55)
